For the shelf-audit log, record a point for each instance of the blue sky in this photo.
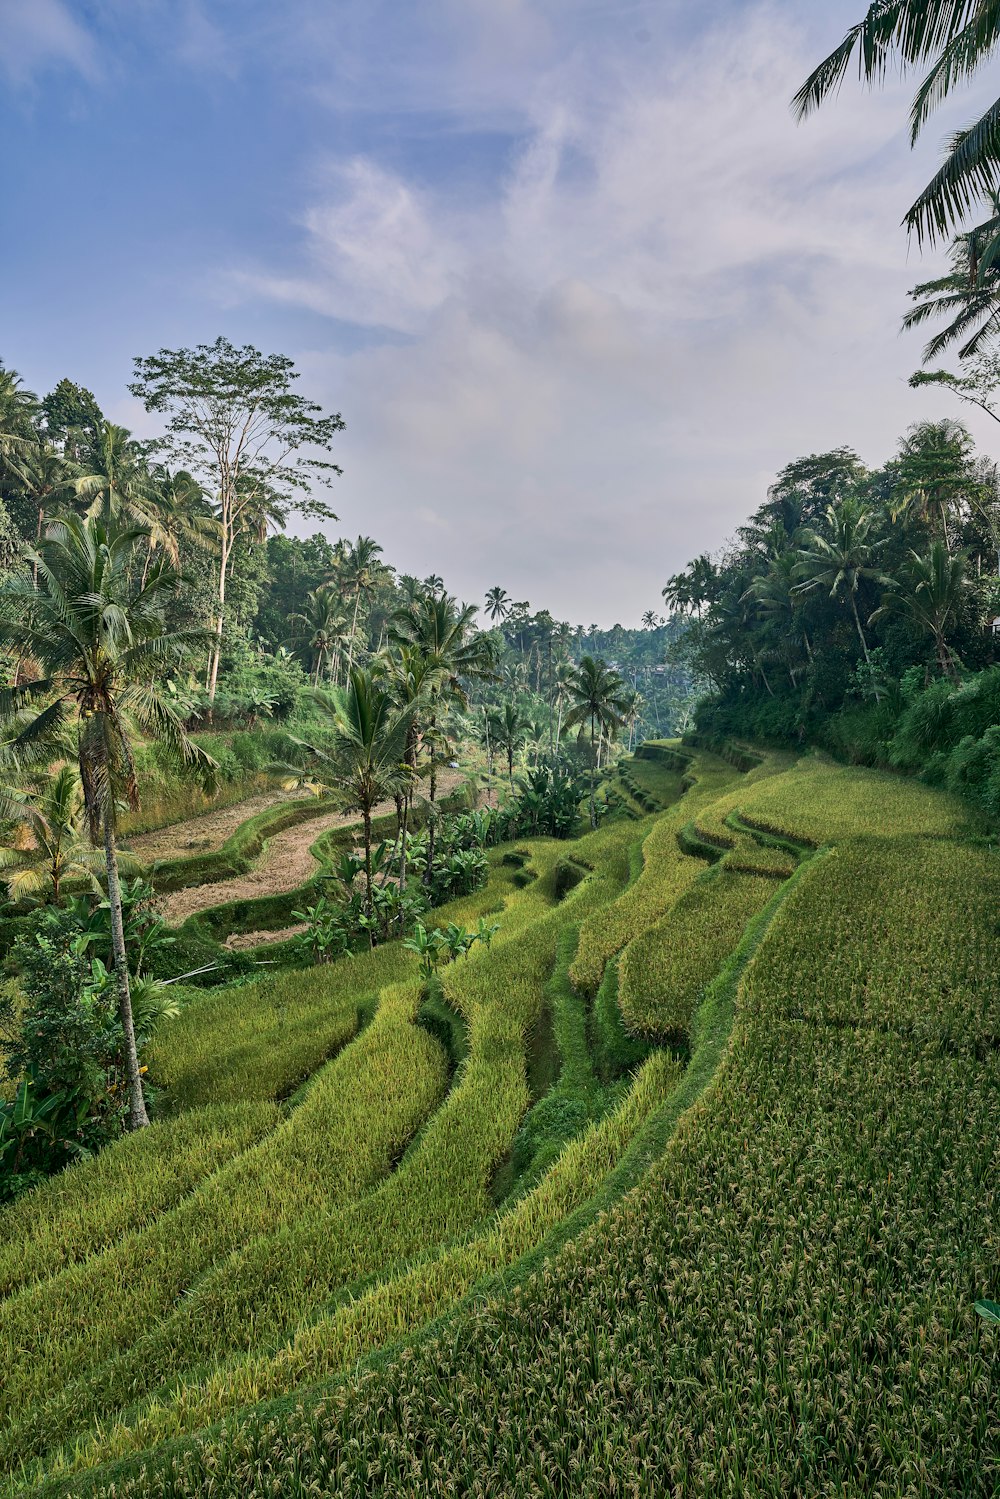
(573, 276)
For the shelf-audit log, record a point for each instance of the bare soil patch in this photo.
(208, 831)
(238, 941)
(285, 863)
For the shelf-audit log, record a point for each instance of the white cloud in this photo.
(35, 34)
(670, 292)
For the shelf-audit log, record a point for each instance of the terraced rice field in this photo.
(703, 1209)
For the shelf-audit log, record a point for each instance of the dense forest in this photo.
(856, 609)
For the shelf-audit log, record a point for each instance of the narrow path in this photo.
(285, 863)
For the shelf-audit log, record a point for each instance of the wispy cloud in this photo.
(669, 291)
(39, 34)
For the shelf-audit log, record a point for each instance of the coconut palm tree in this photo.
(840, 556)
(54, 816)
(632, 712)
(951, 39)
(599, 697)
(100, 642)
(19, 407)
(968, 297)
(443, 632)
(361, 573)
(497, 604)
(370, 734)
(778, 598)
(933, 473)
(509, 730)
(43, 476)
(118, 486)
(930, 592)
(323, 626)
(564, 677)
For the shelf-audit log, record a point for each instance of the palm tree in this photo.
(599, 697)
(933, 472)
(951, 38)
(565, 675)
(966, 295)
(930, 591)
(497, 604)
(18, 408)
(181, 515)
(509, 730)
(443, 633)
(632, 712)
(368, 756)
(55, 819)
(322, 624)
(839, 557)
(118, 486)
(778, 596)
(43, 476)
(361, 571)
(100, 643)
(650, 620)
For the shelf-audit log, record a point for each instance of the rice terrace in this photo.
(445, 1048)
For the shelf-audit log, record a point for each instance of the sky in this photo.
(574, 277)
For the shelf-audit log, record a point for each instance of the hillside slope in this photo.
(703, 1210)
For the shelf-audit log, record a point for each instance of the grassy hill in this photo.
(700, 1204)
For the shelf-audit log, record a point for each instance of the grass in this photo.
(259, 1040)
(401, 1303)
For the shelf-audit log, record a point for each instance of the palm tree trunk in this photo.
(593, 781)
(137, 1116)
(354, 626)
(402, 855)
(861, 633)
(366, 813)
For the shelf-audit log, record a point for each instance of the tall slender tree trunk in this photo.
(402, 855)
(137, 1116)
(213, 665)
(366, 813)
(593, 779)
(861, 633)
(354, 626)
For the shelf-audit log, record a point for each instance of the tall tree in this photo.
(600, 699)
(100, 643)
(72, 419)
(361, 572)
(840, 555)
(236, 422)
(323, 626)
(498, 604)
(368, 757)
(508, 731)
(930, 592)
(934, 473)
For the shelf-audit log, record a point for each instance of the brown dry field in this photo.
(285, 863)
